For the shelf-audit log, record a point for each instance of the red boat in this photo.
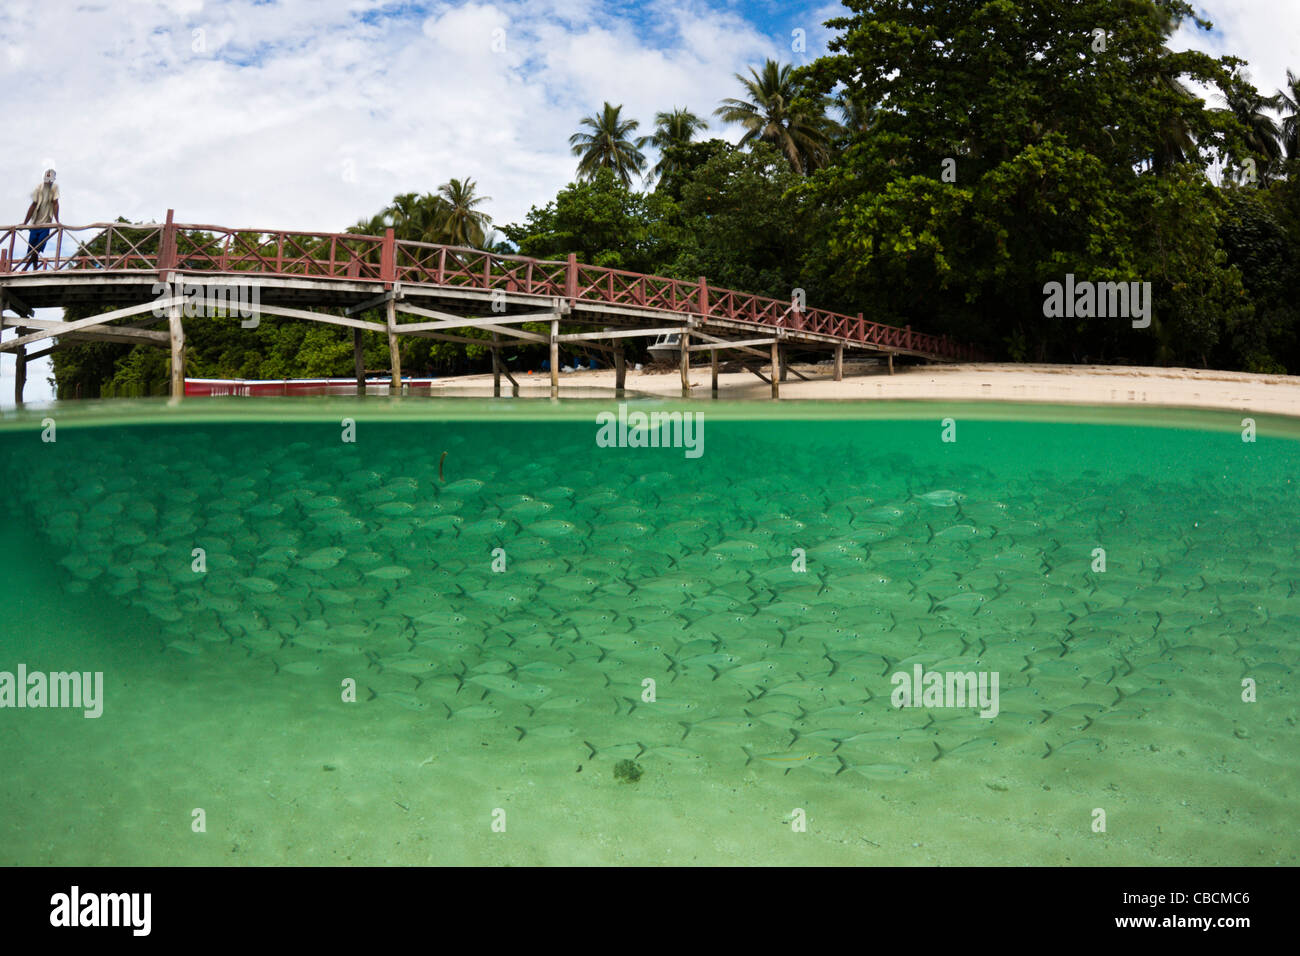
(295, 386)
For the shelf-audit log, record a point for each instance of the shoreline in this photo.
(982, 381)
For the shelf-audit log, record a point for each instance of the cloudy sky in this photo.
(311, 114)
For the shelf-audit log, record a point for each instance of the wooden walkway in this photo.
(140, 271)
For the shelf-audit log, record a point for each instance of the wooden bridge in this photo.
(142, 271)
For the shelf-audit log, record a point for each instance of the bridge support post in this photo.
(839, 363)
(177, 333)
(359, 361)
(620, 368)
(776, 369)
(685, 344)
(20, 371)
(713, 354)
(496, 366)
(785, 365)
(555, 358)
(394, 352)
(891, 363)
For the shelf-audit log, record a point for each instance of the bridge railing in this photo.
(193, 248)
(101, 245)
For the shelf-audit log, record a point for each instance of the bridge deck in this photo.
(123, 267)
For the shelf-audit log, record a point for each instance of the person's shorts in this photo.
(36, 239)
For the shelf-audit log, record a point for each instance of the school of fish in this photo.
(606, 604)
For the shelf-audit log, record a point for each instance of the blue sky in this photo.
(312, 114)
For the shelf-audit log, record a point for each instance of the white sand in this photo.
(1052, 384)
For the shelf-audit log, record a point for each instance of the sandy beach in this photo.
(1052, 384)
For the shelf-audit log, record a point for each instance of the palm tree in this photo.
(772, 114)
(1289, 102)
(1263, 138)
(416, 218)
(1174, 140)
(858, 115)
(609, 146)
(677, 128)
(459, 222)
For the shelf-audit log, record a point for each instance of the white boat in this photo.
(667, 347)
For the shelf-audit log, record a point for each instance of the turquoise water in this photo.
(465, 640)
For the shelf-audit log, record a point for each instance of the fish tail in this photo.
(938, 748)
(835, 665)
(749, 754)
(593, 750)
(522, 733)
(1049, 750)
(686, 730)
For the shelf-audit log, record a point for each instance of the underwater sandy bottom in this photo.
(252, 751)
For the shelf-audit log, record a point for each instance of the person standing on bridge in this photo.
(43, 212)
